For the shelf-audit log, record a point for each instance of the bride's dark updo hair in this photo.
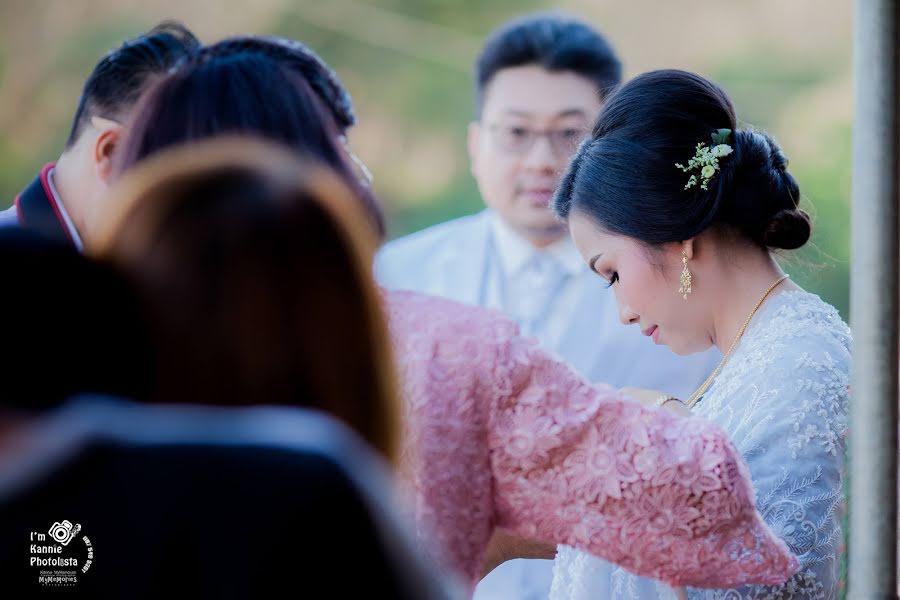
(624, 175)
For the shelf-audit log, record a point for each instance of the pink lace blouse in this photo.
(501, 435)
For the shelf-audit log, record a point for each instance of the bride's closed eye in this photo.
(607, 276)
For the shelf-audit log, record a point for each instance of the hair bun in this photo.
(788, 229)
(765, 196)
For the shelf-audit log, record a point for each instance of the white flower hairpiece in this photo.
(706, 159)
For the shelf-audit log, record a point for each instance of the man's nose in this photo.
(540, 155)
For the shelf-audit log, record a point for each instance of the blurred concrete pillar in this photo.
(873, 305)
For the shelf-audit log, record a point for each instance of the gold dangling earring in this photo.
(685, 288)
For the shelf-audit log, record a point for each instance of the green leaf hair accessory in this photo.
(706, 159)
(720, 136)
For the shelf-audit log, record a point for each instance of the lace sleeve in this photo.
(663, 496)
(795, 452)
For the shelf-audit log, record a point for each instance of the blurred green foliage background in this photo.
(408, 64)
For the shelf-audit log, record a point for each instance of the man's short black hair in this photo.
(554, 41)
(125, 72)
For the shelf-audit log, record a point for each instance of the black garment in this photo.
(38, 209)
(70, 325)
(174, 509)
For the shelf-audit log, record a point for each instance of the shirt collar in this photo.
(515, 252)
(66, 218)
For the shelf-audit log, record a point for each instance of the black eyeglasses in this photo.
(517, 139)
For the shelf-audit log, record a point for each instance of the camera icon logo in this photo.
(64, 532)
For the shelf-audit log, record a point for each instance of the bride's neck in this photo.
(743, 279)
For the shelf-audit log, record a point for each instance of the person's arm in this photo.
(663, 496)
(505, 546)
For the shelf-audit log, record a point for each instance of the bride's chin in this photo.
(680, 351)
(688, 349)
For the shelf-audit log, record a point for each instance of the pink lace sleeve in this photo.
(500, 434)
(663, 496)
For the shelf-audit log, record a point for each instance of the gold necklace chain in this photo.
(695, 397)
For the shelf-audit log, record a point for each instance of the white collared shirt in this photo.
(70, 226)
(535, 286)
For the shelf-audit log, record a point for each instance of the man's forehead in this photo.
(532, 92)
(572, 112)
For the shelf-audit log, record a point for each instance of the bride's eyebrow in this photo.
(592, 261)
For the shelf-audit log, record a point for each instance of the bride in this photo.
(680, 212)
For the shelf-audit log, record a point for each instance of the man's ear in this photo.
(474, 141)
(109, 137)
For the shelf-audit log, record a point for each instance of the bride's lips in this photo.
(653, 333)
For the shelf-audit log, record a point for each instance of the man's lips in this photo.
(537, 196)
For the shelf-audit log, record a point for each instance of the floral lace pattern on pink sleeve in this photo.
(502, 435)
(662, 496)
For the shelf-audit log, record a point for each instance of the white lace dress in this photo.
(783, 399)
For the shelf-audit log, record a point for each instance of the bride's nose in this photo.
(627, 316)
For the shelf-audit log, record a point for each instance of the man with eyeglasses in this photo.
(58, 201)
(540, 83)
